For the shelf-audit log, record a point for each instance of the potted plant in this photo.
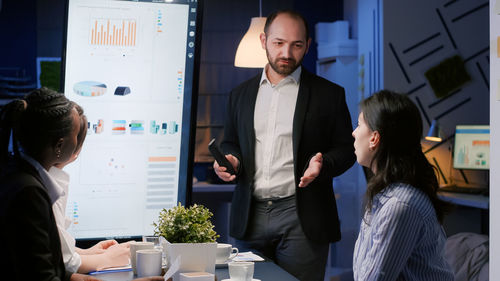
(190, 238)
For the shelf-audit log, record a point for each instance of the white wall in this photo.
(351, 15)
(370, 46)
(495, 140)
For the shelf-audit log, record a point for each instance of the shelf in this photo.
(468, 200)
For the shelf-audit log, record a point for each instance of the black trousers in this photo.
(274, 230)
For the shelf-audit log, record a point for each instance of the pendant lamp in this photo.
(250, 52)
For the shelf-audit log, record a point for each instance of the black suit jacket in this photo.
(321, 123)
(32, 249)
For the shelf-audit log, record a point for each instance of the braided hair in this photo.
(80, 138)
(34, 123)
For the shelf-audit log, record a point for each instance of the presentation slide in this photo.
(130, 66)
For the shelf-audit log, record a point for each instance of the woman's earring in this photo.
(58, 153)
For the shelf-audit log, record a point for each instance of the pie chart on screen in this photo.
(90, 88)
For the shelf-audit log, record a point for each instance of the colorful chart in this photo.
(173, 127)
(136, 127)
(156, 128)
(90, 88)
(119, 127)
(113, 32)
(98, 127)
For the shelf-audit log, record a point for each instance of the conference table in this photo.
(264, 271)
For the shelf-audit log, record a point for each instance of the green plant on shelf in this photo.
(50, 75)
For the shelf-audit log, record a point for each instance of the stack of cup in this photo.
(148, 262)
(157, 245)
(136, 246)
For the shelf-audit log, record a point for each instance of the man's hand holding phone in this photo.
(225, 166)
(222, 172)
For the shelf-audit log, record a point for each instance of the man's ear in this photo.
(263, 39)
(374, 140)
(308, 43)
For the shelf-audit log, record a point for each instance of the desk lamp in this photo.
(435, 134)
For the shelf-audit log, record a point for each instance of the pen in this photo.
(109, 271)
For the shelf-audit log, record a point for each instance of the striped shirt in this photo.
(401, 239)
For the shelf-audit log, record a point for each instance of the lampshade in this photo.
(434, 133)
(250, 52)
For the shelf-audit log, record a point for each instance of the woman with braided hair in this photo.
(43, 130)
(107, 253)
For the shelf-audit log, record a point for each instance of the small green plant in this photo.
(186, 225)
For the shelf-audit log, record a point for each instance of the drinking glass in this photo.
(157, 245)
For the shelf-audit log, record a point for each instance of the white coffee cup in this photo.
(134, 247)
(225, 252)
(241, 271)
(148, 262)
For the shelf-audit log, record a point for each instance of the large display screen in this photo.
(131, 66)
(472, 147)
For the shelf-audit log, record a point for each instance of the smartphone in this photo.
(219, 157)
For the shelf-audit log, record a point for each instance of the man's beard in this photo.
(285, 69)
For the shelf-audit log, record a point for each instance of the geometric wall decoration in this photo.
(448, 75)
(438, 52)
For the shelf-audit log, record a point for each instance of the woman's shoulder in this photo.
(18, 171)
(19, 177)
(408, 196)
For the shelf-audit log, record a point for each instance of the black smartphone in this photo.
(219, 157)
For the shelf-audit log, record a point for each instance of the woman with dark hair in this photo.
(401, 236)
(105, 254)
(43, 129)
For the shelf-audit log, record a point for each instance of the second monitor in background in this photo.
(470, 152)
(472, 147)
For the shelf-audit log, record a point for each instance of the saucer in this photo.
(253, 279)
(222, 264)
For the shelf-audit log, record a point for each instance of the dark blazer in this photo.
(32, 249)
(321, 123)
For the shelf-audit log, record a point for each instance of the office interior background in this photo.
(387, 44)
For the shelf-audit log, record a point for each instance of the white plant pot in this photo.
(193, 257)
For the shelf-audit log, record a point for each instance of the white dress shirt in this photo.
(273, 125)
(72, 259)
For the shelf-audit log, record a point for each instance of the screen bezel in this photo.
(189, 116)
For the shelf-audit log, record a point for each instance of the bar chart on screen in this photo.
(113, 32)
